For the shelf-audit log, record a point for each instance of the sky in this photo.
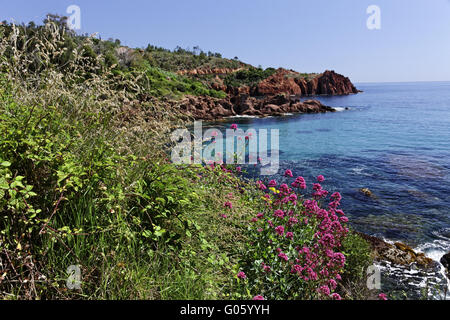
(413, 43)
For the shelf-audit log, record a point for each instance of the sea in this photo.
(393, 139)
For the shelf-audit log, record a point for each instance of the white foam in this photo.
(339, 109)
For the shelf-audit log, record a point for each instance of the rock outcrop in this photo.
(397, 253)
(293, 83)
(445, 260)
(207, 108)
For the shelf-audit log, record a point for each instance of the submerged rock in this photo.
(367, 192)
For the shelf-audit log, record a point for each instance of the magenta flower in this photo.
(279, 230)
(382, 296)
(336, 296)
(258, 298)
(228, 204)
(278, 213)
(288, 173)
(289, 235)
(241, 275)
(325, 290)
(272, 183)
(320, 178)
(283, 256)
(233, 126)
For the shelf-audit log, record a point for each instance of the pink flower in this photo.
(288, 173)
(324, 290)
(289, 235)
(224, 216)
(382, 296)
(228, 205)
(272, 183)
(336, 296)
(258, 298)
(278, 213)
(241, 275)
(233, 126)
(320, 178)
(279, 230)
(283, 256)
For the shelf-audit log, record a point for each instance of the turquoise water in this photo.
(394, 140)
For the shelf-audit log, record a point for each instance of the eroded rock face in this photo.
(291, 82)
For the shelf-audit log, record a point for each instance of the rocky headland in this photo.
(277, 95)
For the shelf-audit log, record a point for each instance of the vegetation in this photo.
(248, 77)
(84, 180)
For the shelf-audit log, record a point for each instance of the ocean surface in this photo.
(395, 140)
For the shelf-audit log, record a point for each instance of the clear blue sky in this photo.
(309, 36)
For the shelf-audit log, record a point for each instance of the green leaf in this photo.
(5, 164)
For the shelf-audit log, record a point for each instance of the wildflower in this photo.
(272, 183)
(289, 235)
(241, 275)
(238, 169)
(278, 213)
(325, 290)
(382, 296)
(336, 196)
(254, 220)
(283, 256)
(259, 230)
(320, 178)
(288, 173)
(260, 215)
(333, 284)
(228, 204)
(261, 185)
(233, 126)
(343, 219)
(258, 298)
(336, 296)
(279, 230)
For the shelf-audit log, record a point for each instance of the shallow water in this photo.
(394, 140)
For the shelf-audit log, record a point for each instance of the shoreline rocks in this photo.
(397, 253)
(445, 260)
(207, 108)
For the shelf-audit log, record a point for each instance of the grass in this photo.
(84, 178)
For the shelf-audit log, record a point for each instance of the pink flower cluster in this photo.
(316, 260)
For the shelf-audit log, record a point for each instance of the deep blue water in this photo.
(394, 140)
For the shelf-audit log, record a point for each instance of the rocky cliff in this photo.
(291, 82)
(275, 95)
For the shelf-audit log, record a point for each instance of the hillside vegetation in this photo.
(85, 180)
